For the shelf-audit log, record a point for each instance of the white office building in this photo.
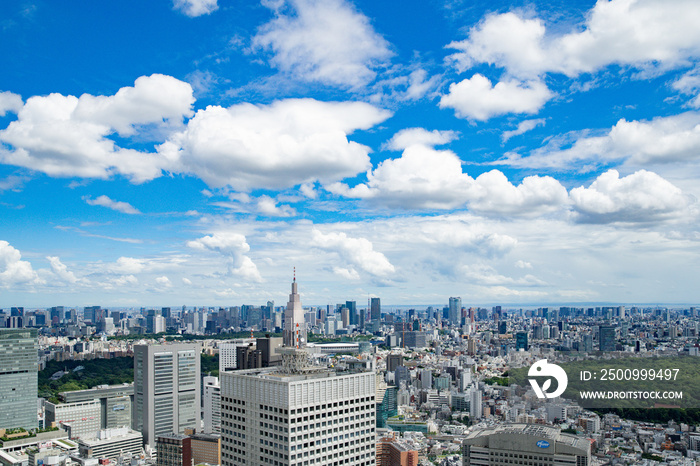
(81, 419)
(316, 418)
(166, 389)
(298, 414)
(227, 353)
(212, 405)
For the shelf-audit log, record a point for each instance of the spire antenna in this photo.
(295, 274)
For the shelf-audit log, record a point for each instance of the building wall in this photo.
(18, 378)
(166, 389)
(212, 405)
(206, 450)
(84, 417)
(288, 419)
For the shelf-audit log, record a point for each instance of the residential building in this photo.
(391, 451)
(18, 378)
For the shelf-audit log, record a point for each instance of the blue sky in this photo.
(195, 151)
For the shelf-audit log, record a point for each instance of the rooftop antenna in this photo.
(295, 274)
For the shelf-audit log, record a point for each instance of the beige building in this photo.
(206, 448)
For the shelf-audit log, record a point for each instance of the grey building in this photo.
(18, 378)
(375, 310)
(116, 403)
(166, 389)
(606, 338)
(455, 311)
(524, 444)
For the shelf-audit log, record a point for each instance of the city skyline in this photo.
(196, 151)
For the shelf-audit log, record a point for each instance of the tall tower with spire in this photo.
(294, 325)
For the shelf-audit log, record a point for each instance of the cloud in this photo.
(477, 99)
(274, 146)
(661, 140)
(13, 270)
(233, 246)
(164, 281)
(523, 264)
(60, 270)
(193, 8)
(358, 252)
(67, 136)
(425, 178)
(640, 197)
(488, 276)
(104, 201)
(638, 33)
(268, 206)
(10, 102)
(326, 41)
(418, 136)
(523, 127)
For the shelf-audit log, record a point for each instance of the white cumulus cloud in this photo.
(66, 136)
(477, 99)
(13, 270)
(419, 136)
(10, 102)
(233, 247)
(60, 270)
(425, 178)
(326, 41)
(662, 140)
(639, 33)
(358, 252)
(640, 197)
(275, 146)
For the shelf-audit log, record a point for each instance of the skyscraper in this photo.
(375, 310)
(294, 324)
(18, 378)
(320, 416)
(166, 389)
(297, 413)
(455, 311)
(606, 338)
(212, 405)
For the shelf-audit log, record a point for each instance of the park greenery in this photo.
(85, 374)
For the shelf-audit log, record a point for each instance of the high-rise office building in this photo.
(375, 310)
(606, 338)
(294, 325)
(296, 413)
(521, 341)
(318, 416)
(166, 389)
(18, 378)
(393, 361)
(212, 405)
(455, 311)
